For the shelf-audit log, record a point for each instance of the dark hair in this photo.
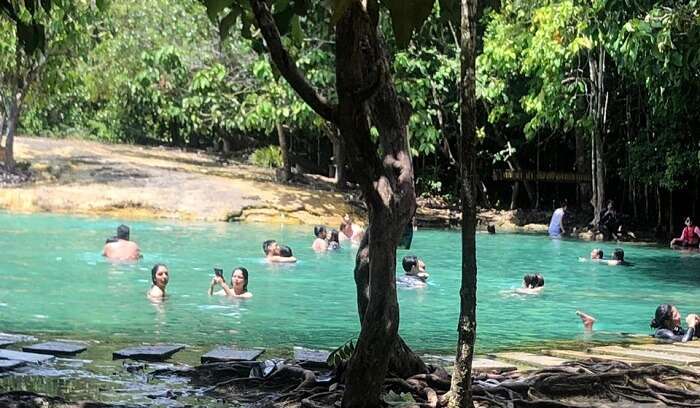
(538, 280)
(245, 276)
(662, 317)
(564, 203)
(285, 251)
(599, 252)
(491, 229)
(408, 262)
(266, 245)
(528, 280)
(154, 270)
(318, 230)
(618, 254)
(123, 232)
(334, 236)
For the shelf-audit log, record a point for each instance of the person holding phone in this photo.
(238, 287)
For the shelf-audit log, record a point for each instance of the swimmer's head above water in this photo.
(320, 231)
(159, 275)
(238, 274)
(123, 232)
(618, 255)
(270, 247)
(667, 316)
(597, 253)
(414, 266)
(533, 281)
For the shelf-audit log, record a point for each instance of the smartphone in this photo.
(219, 272)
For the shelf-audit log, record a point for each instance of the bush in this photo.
(270, 156)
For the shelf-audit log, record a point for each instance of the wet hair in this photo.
(538, 280)
(334, 236)
(527, 280)
(123, 232)
(563, 204)
(408, 262)
(154, 270)
(663, 318)
(319, 230)
(266, 245)
(285, 251)
(491, 229)
(618, 254)
(688, 218)
(599, 252)
(244, 271)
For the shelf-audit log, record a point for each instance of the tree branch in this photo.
(287, 66)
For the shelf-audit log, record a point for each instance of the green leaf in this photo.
(228, 21)
(408, 16)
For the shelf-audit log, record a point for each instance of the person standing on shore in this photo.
(556, 224)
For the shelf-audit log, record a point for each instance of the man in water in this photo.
(556, 224)
(320, 244)
(122, 249)
(273, 253)
(349, 230)
(415, 272)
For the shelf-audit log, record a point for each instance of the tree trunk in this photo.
(514, 195)
(403, 362)
(10, 128)
(339, 160)
(365, 87)
(597, 111)
(286, 164)
(466, 329)
(583, 166)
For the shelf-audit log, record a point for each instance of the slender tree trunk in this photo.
(286, 164)
(583, 166)
(338, 159)
(11, 126)
(514, 195)
(461, 395)
(597, 111)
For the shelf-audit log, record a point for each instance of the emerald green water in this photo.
(55, 283)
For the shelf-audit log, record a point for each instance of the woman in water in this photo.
(333, 240)
(667, 322)
(159, 277)
(239, 284)
(532, 285)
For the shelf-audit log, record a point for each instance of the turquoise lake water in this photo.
(56, 284)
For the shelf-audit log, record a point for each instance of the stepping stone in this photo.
(573, 355)
(7, 339)
(690, 344)
(26, 357)
(7, 365)
(311, 357)
(668, 348)
(487, 365)
(657, 356)
(148, 353)
(220, 354)
(56, 348)
(531, 359)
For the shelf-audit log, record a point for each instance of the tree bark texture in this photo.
(366, 93)
(10, 128)
(583, 166)
(286, 163)
(338, 159)
(597, 106)
(366, 97)
(466, 328)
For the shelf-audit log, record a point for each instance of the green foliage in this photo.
(341, 355)
(270, 157)
(404, 399)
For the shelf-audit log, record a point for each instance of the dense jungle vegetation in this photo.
(605, 90)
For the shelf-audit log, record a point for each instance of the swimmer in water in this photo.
(350, 231)
(160, 278)
(275, 254)
(587, 320)
(532, 285)
(667, 322)
(333, 240)
(320, 244)
(120, 248)
(415, 274)
(238, 288)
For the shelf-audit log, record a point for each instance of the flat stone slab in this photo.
(534, 360)
(220, 354)
(486, 365)
(573, 355)
(657, 356)
(148, 353)
(56, 348)
(668, 348)
(26, 357)
(693, 344)
(7, 365)
(312, 357)
(7, 339)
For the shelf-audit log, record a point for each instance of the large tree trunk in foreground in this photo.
(362, 72)
(461, 394)
(403, 362)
